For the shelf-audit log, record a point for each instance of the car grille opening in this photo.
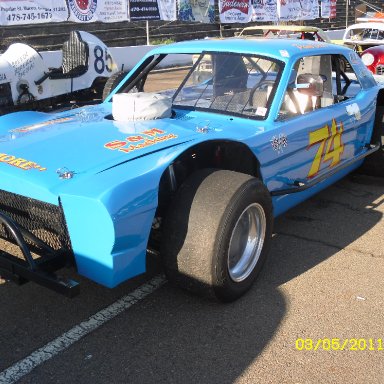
(45, 221)
(380, 70)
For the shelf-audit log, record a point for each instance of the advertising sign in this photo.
(17, 12)
(85, 11)
(235, 11)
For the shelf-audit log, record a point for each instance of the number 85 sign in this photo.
(103, 60)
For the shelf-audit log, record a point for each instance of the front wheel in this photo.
(217, 233)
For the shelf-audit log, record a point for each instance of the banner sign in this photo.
(167, 9)
(86, 11)
(202, 11)
(309, 9)
(143, 10)
(328, 9)
(14, 12)
(17, 12)
(235, 11)
(292, 10)
(264, 10)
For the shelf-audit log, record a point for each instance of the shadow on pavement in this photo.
(174, 337)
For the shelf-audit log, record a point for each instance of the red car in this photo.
(373, 58)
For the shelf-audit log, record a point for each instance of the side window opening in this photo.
(318, 82)
(160, 74)
(345, 84)
(310, 87)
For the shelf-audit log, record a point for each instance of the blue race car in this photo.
(191, 157)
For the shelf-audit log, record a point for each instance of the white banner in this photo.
(328, 9)
(264, 10)
(167, 9)
(202, 11)
(86, 11)
(291, 10)
(309, 9)
(16, 12)
(235, 11)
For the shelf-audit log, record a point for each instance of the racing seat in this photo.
(230, 75)
(75, 59)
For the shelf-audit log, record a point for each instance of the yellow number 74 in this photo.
(330, 143)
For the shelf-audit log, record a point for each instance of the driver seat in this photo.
(75, 56)
(75, 59)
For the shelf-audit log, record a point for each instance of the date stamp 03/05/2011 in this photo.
(339, 344)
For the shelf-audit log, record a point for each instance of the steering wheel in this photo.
(262, 85)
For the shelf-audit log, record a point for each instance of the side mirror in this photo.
(310, 85)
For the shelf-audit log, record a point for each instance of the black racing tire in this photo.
(374, 164)
(203, 230)
(112, 83)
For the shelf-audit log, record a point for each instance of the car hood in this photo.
(40, 148)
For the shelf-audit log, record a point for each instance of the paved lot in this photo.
(323, 280)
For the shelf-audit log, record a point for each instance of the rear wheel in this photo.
(217, 233)
(113, 82)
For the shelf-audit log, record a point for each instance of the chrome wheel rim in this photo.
(246, 242)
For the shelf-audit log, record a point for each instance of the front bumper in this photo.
(35, 243)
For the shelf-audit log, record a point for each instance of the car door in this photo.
(321, 132)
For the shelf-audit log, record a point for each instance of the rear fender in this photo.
(21, 65)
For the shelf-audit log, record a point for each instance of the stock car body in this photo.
(191, 169)
(367, 39)
(28, 81)
(373, 58)
(364, 35)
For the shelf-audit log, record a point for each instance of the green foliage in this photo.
(162, 41)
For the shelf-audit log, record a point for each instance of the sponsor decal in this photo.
(240, 5)
(19, 162)
(33, 127)
(353, 110)
(23, 64)
(354, 58)
(83, 10)
(145, 139)
(279, 142)
(308, 45)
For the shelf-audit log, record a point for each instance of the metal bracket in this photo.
(38, 270)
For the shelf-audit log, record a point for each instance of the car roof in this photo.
(367, 25)
(288, 28)
(281, 49)
(294, 28)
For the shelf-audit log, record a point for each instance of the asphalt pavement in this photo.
(315, 314)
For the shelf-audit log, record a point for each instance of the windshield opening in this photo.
(232, 83)
(221, 82)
